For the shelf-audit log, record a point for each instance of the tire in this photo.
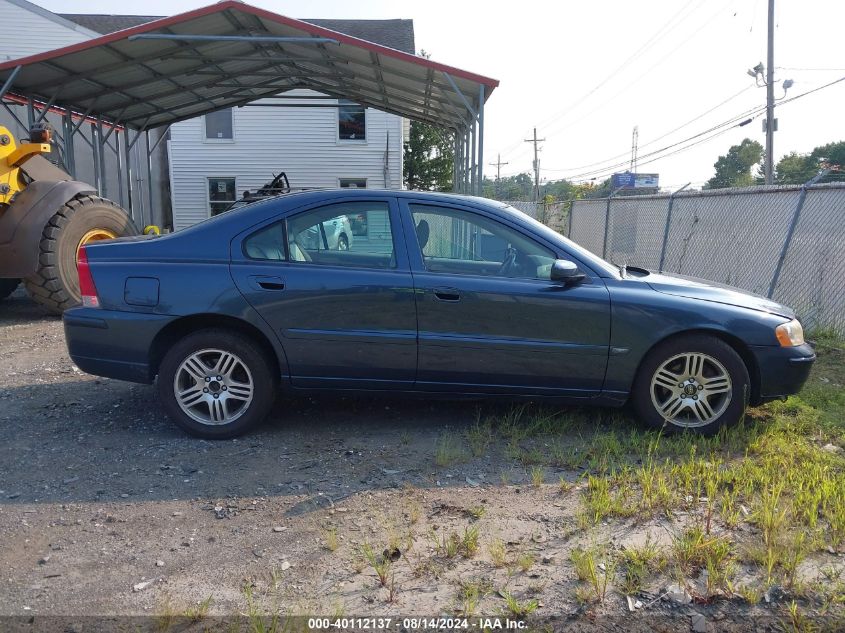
(8, 286)
(55, 285)
(663, 396)
(343, 242)
(251, 366)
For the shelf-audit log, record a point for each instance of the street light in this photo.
(767, 80)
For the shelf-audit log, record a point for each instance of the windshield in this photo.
(604, 268)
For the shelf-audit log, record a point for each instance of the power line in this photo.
(634, 56)
(662, 136)
(718, 133)
(738, 118)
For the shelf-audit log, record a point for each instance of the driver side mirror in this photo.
(566, 272)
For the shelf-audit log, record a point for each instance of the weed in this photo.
(449, 450)
(638, 563)
(379, 563)
(563, 485)
(199, 611)
(525, 561)
(498, 552)
(469, 542)
(330, 536)
(519, 609)
(470, 594)
(596, 574)
(538, 476)
(476, 512)
(479, 436)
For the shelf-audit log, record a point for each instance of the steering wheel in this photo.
(509, 263)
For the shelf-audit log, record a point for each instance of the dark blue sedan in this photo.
(430, 294)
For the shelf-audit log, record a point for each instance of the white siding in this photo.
(302, 142)
(28, 30)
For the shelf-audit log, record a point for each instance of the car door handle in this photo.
(447, 294)
(261, 282)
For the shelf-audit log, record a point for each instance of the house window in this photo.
(218, 125)
(353, 183)
(351, 121)
(221, 194)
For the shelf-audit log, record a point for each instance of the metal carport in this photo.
(226, 55)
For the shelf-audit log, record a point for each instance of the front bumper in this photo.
(112, 344)
(783, 370)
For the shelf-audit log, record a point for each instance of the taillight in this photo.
(86, 281)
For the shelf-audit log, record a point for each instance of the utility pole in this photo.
(498, 164)
(770, 99)
(635, 137)
(536, 140)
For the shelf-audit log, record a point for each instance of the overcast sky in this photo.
(585, 73)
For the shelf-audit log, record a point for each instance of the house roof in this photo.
(398, 34)
(231, 53)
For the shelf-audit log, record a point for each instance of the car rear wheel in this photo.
(342, 243)
(693, 383)
(216, 384)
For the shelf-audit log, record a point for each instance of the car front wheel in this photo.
(692, 383)
(216, 384)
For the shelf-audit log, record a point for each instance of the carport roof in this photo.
(230, 54)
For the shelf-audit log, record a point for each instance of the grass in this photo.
(331, 539)
(449, 450)
(594, 572)
(638, 563)
(498, 553)
(517, 608)
(470, 594)
(380, 564)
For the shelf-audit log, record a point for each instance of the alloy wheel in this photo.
(213, 387)
(691, 390)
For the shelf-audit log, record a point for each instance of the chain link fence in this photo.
(553, 214)
(786, 243)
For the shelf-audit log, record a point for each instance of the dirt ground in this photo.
(107, 509)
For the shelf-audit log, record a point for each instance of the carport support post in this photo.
(472, 165)
(455, 153)
(101, 159)
(127, 151)
(480, 139)
(70, 156)
(466, 160)
(668, 223)
(96, 156)
(149, 174)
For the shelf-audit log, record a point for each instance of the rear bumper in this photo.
(112, 344)
(783, 370)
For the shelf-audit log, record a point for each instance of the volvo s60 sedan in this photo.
(437, 294)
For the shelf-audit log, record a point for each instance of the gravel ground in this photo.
(108, 509)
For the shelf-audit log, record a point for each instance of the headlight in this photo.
(790, 334)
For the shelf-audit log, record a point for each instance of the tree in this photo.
(734, 169)
(429, 157)
(796, 169)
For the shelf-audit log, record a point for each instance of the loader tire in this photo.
(7, 287)
(55, 285)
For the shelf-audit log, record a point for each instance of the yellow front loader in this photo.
(45, 217)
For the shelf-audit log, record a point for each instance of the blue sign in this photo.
(629, 180)
(623, 181)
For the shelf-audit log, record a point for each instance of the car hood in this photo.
(693, 288)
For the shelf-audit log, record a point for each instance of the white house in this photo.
(316, 141)
(214, 159)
